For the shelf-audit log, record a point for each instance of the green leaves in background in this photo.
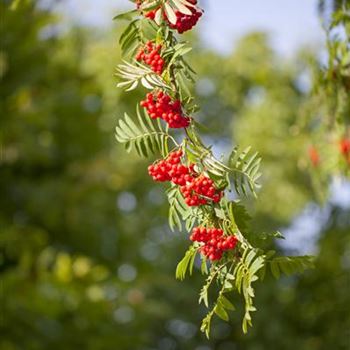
(63, 240)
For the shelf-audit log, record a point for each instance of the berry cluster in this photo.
(215, 242)
(186, 22)
(160, 105)
(200, 190)
(150, 54)
(344, 146)
(183, 22)
(197, 189)
(170, 169)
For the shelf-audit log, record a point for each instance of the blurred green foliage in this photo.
(87, 260)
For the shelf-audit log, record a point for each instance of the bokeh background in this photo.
(87, 259)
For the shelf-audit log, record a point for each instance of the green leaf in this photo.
(290, 264)
(158, 16)
(178, 209)
(245, 274)
(226, 303)
(126, 15)
(242, 167)
(181, 7)
(174, 219)
(203, 295)
(220, 213)
(179, 50)
(146, 137)
(205, 326)
(131, 75)
(169, 11)
(186, 263)
(149, 5)
(245, 170)
(130, 38)
(221, 312)
(204, 266)
(240, 215)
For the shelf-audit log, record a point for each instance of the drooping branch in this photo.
(199, 183)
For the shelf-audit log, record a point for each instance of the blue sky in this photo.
(291, 23)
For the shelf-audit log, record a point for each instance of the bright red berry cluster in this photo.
(160, 105)
(200, 190)
(170, 169)
(150, 54)
(197, 189)
(186, 22)
(215, 242)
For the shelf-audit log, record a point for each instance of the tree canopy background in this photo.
(87, 259)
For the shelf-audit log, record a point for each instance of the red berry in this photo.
(200, 190)
(149, 54)
(186, 22)
(160, 105)
(213, 248)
